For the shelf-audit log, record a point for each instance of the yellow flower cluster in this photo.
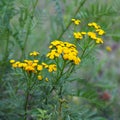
(76, 21)
(98, 30)
(95, 25)
(93, 36)
(33, 66)
(34, 53)
(79, 35)
(67, 50)
(96, 35)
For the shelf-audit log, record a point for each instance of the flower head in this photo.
(93, 24)
(12, 61)
(67, 50)
(76, 21)
(34, 53)
(77, 35)
(100, 31)
(39, 77)
(108, 48)
(46, 79)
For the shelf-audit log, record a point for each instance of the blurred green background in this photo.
(21, 20)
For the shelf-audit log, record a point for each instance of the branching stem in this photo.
(78, 9)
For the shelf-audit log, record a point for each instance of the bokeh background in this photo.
(47, 22)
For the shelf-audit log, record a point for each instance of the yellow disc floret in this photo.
(67, 50)
(39, 77)
(76, 21)
(108, 48)
(34, 53)
(12, 61)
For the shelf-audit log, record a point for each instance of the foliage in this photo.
(70, 75)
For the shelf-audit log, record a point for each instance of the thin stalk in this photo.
(58, 67)
(83, 52)
(7, 45)
(61, 71)
(60, 111)
(28, 82)
(28, 31)
(5, 54)
(26, 103)
(61, 74)
(58, 76)
(25, 43)
(80, 46)
(70, 70)
(85, 48)
(60, 104)
(89, 50)
(82, 3)
(60, 93)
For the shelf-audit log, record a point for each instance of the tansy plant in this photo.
(87, 40)
(51, 74)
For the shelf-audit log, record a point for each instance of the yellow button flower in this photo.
(83, 33)
(34, 64)
(44, 65)
(77, 60)
(34, 53)
(108, 48)
(76, 21)
(14, 65)
(99, 40)
(36, 61)
(20, 65)
(77, 35)
(93, 24)
(52, 68)
(39, 77)
(12, 61)
(100, 31)
(39, 67)
(92, 35)
(46, 79)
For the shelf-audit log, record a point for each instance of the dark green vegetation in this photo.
(92, 92)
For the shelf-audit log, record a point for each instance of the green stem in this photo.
(60, 111)
(5, 57)
(26, 103)
(89, 50)
(7, 45)
(58, 77)
(80, 46)
(84, 50)
(25, 43)
(82, 3)
(28, 82)
(28, 31)
(58, 67)
(61, 71)
(69, 71)
(60, 104)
